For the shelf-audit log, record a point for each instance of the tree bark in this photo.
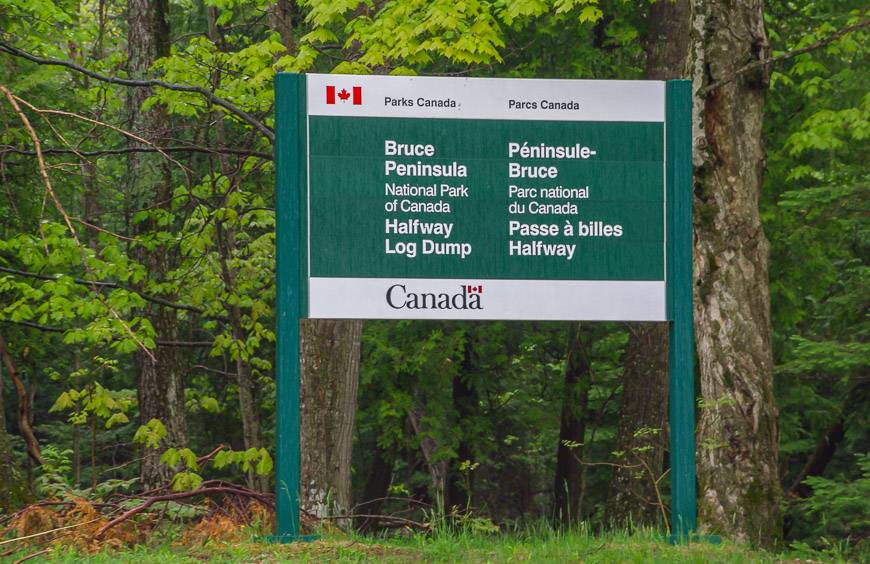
(737, 453)
(160, 379)
(567, 487)
(281, 21)
(644, 405)
(329, 377)
(644, 402)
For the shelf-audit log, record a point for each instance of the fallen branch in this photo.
(396, 520)
(8, 518)
(207, 491)
(34, 555)
(43, 533)
(392, 498)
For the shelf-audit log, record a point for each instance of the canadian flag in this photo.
(343, 95)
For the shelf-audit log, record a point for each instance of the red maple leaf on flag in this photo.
(343, 95)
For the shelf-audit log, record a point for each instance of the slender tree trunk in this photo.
(826, 447)
(24, 412)
(376, 487)
(465, 398)
(567, 487)
(330, 370)
(7, 459)
(740, 494)
(12, 486)
(249, 406)
(281, 21)
(77, 456)
(2, 404)
(160, 379)
(645, 379)
(429, 447)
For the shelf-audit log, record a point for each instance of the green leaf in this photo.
(265, 464)
(117, 419)
(150, 434)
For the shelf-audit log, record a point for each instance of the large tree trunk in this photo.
(329, 376)
(740, 492)
(644, 405)
(567, 486)
(645, 379)
(160, 379)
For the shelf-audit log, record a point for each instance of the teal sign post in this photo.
(488, 199)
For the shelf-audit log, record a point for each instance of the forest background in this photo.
(137, 274)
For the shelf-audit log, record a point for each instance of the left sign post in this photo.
(290, 175)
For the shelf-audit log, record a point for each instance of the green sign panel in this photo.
(376, 214)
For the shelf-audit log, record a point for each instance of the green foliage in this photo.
(839, 508)
(842, 506)
(188, 471)
(55, 476)
(150, 434)
(256, 460)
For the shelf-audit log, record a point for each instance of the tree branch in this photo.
(210, 96)
(785, 56)
(125, 150)
(216, 371)
(37, 145)
(100, 284)
(158, 342)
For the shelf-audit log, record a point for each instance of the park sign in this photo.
(483, 198)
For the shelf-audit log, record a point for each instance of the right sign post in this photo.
(681, 358)
(488, 199)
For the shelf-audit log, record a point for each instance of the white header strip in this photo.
(389, 298)
(485, 98)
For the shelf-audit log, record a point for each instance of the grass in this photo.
(539, 545)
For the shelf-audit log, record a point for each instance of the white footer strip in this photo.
(417, 298)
